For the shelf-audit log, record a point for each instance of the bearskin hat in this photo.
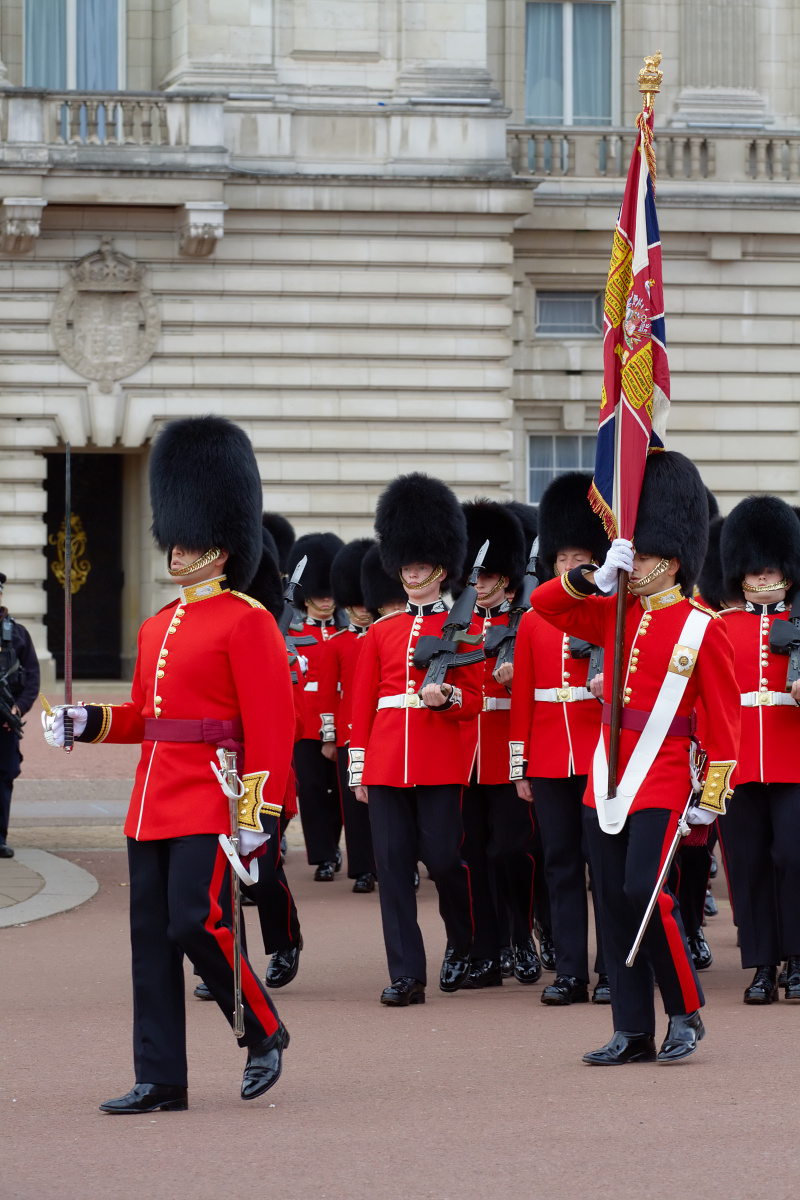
(346, 573)
(321, 549)
(283, 534)
(761, 531)
(205, 491)
(710, 586)
(378, 588)
(418, 519)
(566, 519)
(672, 521)
(528, 517)
(487, 520)
(713, 506)
(266, 586)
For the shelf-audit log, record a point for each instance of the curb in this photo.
(65, 886)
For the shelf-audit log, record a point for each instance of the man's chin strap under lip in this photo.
(502, 583)
(417, 587)
(657, 570)
(781, 586)
(203, 561)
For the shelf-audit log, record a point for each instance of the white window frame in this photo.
(71, 49)
(566, 65)
(529, 433)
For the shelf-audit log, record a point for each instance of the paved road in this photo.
(472, 1095)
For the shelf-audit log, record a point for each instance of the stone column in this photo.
(23, 533)
(719, 64)
(228, 46)
(444, 49)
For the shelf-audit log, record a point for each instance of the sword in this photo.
(234, 790)
(68, 733)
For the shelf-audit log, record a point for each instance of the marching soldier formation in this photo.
(449, 707)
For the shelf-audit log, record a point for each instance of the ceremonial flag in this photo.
(635, 399)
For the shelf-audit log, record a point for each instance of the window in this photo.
(75, 44)
(569, 314)
(568, 63)
(554, 454)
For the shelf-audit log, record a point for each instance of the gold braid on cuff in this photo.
(252, 805)
(197, 565)
(716, 788)
(416, 587)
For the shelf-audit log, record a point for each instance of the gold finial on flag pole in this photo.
(650, 79)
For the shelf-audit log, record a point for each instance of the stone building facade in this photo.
(374, 232)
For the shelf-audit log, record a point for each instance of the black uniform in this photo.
(19, 668)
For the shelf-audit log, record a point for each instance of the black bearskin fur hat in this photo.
(761, 531)
(321, 549)
(528, 517)
(672, 521)
(205, 490)
(566, 519)
(378, 588)
(710, 586)
(487, 519)
(346, 573)
(713, 506)
(418, 519)
(283, 534)
(266, 586)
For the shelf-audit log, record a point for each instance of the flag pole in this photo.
(649, 84)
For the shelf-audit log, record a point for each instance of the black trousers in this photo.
(560, 816)
(694, 868)
(320, 804)
(498, 830)
(277, 913)
(180, 904)
(357, 831)
(760, 839)
(625, 867)
(9, 770)
(410, 824)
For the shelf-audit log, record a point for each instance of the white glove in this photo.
(700, 816)
(79, 719)
(619, 558)
(302, 663)
(249, 841)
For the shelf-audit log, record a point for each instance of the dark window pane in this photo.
(575, 314)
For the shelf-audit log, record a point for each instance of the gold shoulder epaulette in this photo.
(386, 616)
(249, 599)
(703, 608)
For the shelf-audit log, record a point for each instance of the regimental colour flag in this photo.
(635, 399)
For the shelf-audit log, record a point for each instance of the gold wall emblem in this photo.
(683, 660)
(80, 566)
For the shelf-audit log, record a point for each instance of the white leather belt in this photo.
(565, 695)
(757, 699)
(311, 687)
(402, 700)
(490, 703)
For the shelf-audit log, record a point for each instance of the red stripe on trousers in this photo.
(676, 943)
(224, 939)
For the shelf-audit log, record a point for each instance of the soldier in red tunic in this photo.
(198, 684)
(337, 667)
(498, 825)
(678, 657)
(760, 834)
(406, 757)
(318, 784)
(555, 724)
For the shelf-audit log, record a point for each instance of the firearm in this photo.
(289, 623)
(784, 638)
(578, 648)
(438, 655)
(7, 715)
(502, 639)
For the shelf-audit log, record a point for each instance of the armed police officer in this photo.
(19, 687)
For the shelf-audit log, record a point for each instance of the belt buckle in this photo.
(564, 694)
(486, 704)
(764, 698)
(413, 701)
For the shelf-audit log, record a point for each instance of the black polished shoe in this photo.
(710, 906)
(364, 883)
(623, 1048)
(6, 851)
(764, 988)
(283, 965)
(325, 872)
(547, 950)
(455, 969)
(337, 861)
(202, 991)
(602, 991)
(150, 1097)
(782, 977)
(683, 1034)
(527, 965)
(402, 992)
(700, 951)
(264, 1064)
(485, 973)
(506, 961)
(566, 989)
(284, 846)
(714, 867)
(416, 881)
(792, 984)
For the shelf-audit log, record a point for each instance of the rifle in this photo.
(7, 715)
(501, 640)
(578, 648)
(784, 638)
(438, 655)
(289, 624)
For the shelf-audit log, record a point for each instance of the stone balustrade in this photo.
(716, 155)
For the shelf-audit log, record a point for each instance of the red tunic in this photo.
(485, 740)
(558, 738)
(409, 746)
(652, 630)
(204, 657)
(768, 745)
(322, 631)
(337, 667)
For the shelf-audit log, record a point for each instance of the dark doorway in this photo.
(96, 564)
